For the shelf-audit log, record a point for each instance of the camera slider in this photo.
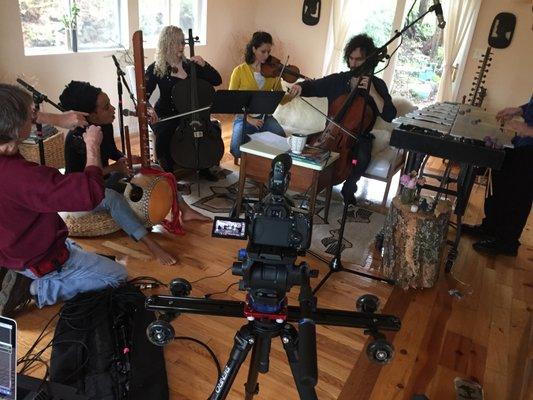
(256, 335)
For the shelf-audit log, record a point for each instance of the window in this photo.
(59, 26)
(373, 18)
(155, 14)
(419, 66)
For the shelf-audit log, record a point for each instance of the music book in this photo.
(312, 155)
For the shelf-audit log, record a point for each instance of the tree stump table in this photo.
(413, 243)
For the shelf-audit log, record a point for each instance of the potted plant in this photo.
(70, 21)
(411, 184)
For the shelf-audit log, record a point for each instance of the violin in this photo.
(196, 143)
(273, 67)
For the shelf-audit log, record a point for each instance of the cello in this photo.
(196, 143)
(348, 115)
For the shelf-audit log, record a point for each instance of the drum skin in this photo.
(156, 200)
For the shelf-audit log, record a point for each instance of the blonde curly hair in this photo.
(166, 53)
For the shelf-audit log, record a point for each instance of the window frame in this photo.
(123, 13)
(201, 6)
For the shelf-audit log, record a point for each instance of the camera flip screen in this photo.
(230, 228)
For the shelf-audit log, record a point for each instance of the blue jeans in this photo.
(116, 205)
(82, 272)
(270, 125)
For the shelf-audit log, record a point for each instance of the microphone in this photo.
(438, 12)
(115, 61)
(117, 65)
(129, 113)
(279, 175)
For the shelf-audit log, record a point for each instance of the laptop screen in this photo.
(8, 359)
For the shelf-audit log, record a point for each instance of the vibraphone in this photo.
(460, 133)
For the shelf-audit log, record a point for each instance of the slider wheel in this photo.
(180, 287)
(367, 303)
(160, 332)
(380, 351)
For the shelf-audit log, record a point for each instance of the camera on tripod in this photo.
(277, 234)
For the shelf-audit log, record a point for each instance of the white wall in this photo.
(510, 78)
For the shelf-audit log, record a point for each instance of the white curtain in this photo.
(338, 29)
(461, 17)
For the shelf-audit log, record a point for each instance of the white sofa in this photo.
(298, 117)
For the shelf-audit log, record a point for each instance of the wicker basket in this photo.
(54, 151)
(88, 224)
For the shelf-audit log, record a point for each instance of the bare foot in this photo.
(158, 252)
(188, 214)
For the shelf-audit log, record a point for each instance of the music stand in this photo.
(245, 102)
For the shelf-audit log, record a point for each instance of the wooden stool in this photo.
(413, 244)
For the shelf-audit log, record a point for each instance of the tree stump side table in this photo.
(414, 243)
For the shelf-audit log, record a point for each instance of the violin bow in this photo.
(281, 72)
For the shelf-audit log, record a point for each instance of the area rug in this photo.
(362, 224)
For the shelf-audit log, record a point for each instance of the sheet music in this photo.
(271, 139)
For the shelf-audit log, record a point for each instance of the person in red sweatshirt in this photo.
(33, 237)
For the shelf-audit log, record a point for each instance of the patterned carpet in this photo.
(362, 224)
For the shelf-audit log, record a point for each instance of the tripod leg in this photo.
(243, 342)
(257, 364)
(289, 338)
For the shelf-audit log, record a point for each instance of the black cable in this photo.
(304, 195)
(401, 39)
(211, 276)
(208, 295)
(205, 346)
(39, 338)
(409, 13)
(46, 374)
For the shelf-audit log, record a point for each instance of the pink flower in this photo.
(404, 180)
(411, 184)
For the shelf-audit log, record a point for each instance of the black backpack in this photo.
(100, 347)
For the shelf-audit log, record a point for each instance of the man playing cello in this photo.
(377, 98)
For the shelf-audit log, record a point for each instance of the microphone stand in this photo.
(120, 81)
(39, 98)
(366, 68)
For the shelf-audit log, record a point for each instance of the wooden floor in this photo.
(483, 336)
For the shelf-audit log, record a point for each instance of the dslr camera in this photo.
(273, 221)
(277, 234)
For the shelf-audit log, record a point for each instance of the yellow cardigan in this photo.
(242, 78)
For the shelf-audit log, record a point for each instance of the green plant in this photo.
(70, 20)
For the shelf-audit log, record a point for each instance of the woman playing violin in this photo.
(169, 67)
(248, 76)
(377, 97)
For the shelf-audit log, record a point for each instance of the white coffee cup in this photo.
(297, 142)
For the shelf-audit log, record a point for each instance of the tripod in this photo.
(257, 334)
